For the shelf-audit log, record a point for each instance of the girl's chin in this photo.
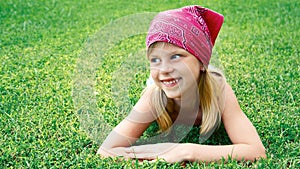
(172, 95)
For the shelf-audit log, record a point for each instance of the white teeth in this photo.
(170, 82)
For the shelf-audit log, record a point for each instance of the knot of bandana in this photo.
(192, 28)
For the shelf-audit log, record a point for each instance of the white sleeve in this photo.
(150, 81)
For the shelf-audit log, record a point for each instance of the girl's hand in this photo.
(170, 152)
(113, 152)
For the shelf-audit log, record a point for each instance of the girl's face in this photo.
(174, 70)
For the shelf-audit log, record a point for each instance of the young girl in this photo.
(186, 91)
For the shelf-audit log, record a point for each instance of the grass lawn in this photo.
(42, 49)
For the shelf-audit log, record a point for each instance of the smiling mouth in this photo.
(170, 82)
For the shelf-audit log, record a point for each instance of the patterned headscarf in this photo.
(192, 28)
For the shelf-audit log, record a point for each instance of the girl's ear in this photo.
(202, 68)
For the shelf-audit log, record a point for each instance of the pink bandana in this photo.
(192, 28)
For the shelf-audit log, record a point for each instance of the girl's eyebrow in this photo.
(176, 51)
(153, 56)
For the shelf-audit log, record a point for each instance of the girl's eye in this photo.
(154, 60)
(176, 56)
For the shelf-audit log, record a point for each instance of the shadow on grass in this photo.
(219, 137)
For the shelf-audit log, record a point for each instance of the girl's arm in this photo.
(130, 129)
(246, 142)
(123, 135)
(243, 135)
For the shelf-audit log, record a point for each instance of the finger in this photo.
(142, 156)
(157, 159)
(119, 152)
(143, 149)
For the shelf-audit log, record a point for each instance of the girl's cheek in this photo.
(153, 74)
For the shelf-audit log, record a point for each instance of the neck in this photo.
(188, 104)
(188, 98)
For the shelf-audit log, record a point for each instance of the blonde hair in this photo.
(211, 85)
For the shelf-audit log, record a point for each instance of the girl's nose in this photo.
(166, 68)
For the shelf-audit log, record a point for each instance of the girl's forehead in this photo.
(165, 48)
(163, 45)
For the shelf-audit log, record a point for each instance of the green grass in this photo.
(40, 42)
